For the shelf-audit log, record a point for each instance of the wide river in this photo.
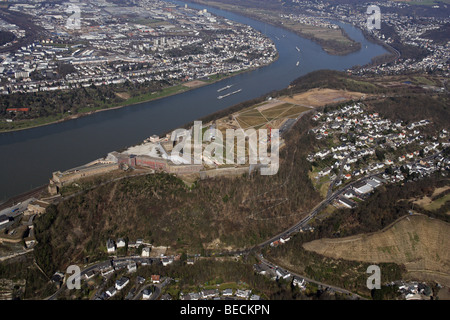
(29, 157)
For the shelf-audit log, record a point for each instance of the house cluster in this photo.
(215, 294)
(282, 240)
(178, 44)
(413, 290)
(277, 273)
(410, 30)
(108, 268)
(121, 283)
(112, 246)
(146, 247)
(358, 191)
(9, 27)
(309, 20)
(363, 145)
(285, 238)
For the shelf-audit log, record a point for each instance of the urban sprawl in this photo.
(161, 42)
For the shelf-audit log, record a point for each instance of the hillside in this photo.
(419, 242)
(441, 35)
(215, 214)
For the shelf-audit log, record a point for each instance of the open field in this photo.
(268, 114)
(326, 36)
(321, 97)
(429, 204)
(194, 84)
(420, 243)
(285, 110)
(436, 204)
(273, 113)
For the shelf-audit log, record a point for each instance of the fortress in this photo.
(143, 156)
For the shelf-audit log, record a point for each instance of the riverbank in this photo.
(392, 55)
(32, 155)
(147, 97)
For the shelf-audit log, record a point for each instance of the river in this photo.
(30, 156)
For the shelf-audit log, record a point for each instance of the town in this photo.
(414, 42)
(89, 216)
(150, 41)
(428, 54)
(363, 144)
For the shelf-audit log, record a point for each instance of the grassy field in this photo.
(264, 113)
(420, 243)
(284, 110)
(429, 204)
(323, 96)
(325, 34)
(436, 204)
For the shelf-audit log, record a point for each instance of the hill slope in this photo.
(420, 243)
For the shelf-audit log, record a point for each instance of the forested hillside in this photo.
(212, 214)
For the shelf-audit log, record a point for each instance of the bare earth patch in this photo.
(123, 95)
(321, 97)
(193, 84)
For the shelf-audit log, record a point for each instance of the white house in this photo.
(227, 292)
(244, 294)
(146, 294)
(166, 261)
(111, 292)
(299, 282)
(121, 283)
(132, 267)
(145, 252)
(121, 243)
(325, 172)
(110, 246)
(282, 274)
